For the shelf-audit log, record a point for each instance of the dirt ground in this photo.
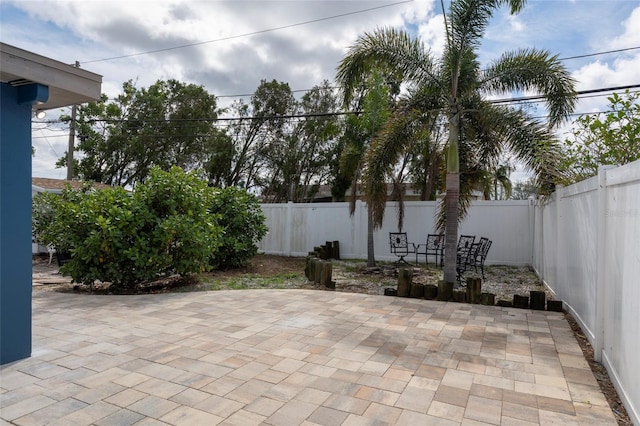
(265, 271)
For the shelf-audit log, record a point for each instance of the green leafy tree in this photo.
(242, 221)
(273, 149)
(260, 123)
(169, 123)
(455, 86)
(610, 140)
(525, 189)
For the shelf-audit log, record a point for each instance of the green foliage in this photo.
(169, 123)
(614, 140)
(241, 218)
(164, 227)
(524, 190)
(46, 211)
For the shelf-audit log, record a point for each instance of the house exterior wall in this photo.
(15, 224)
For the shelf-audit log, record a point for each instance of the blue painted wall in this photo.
(15, 218)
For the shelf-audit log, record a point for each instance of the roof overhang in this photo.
(67, 84)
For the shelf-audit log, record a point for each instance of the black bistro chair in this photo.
(466, 246)
(400, 246)
(478, 256)
(433, 247)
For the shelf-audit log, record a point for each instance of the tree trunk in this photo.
(371, 258)
(452, 183)
(451, 227)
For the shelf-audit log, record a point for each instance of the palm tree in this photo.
(495, 182)
(359, 132)
(454, 85)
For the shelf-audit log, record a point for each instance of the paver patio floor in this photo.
(288, 357)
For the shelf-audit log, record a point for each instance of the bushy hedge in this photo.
(240, 215)
(171, 224)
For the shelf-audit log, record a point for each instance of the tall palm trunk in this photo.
(371, 258)
(451, 228)
(452, 197)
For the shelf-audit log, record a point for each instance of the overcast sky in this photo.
(236, 44)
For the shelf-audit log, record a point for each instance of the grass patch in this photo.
(253, 281)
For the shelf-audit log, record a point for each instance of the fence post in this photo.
(561, 268)
(288, 228)
(360, 217)
(601, 265)
(532, 230)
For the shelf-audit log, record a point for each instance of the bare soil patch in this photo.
(266, 271)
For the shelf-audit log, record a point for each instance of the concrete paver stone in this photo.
(296, 357)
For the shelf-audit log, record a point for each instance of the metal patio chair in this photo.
(400, 246)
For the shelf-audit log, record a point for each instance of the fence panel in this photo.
(577, 232)
(294, 229)
(621, 286)
(587, 250)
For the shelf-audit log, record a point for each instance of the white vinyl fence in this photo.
(587, 250)
(584, 244)
(294, 229)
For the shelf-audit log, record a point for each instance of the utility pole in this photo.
(72, 138)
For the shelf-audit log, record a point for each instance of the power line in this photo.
(249, 34)
(588, 55)
(49, 143)
(580, 94)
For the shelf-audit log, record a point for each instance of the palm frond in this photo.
(532, 142)
(469, 19)
(389, 49)
(534, 70)
(390, 143)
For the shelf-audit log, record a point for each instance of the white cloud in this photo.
(302, 55)
(631, 35)
(433, 34)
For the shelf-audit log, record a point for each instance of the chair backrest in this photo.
(485, 249)
(475, 250)
(398, 241)
(483, 243)
(435, 241)
(465, 241)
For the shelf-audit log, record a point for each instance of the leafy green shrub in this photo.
(242, 219)
(163, 227)
(48, 209)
